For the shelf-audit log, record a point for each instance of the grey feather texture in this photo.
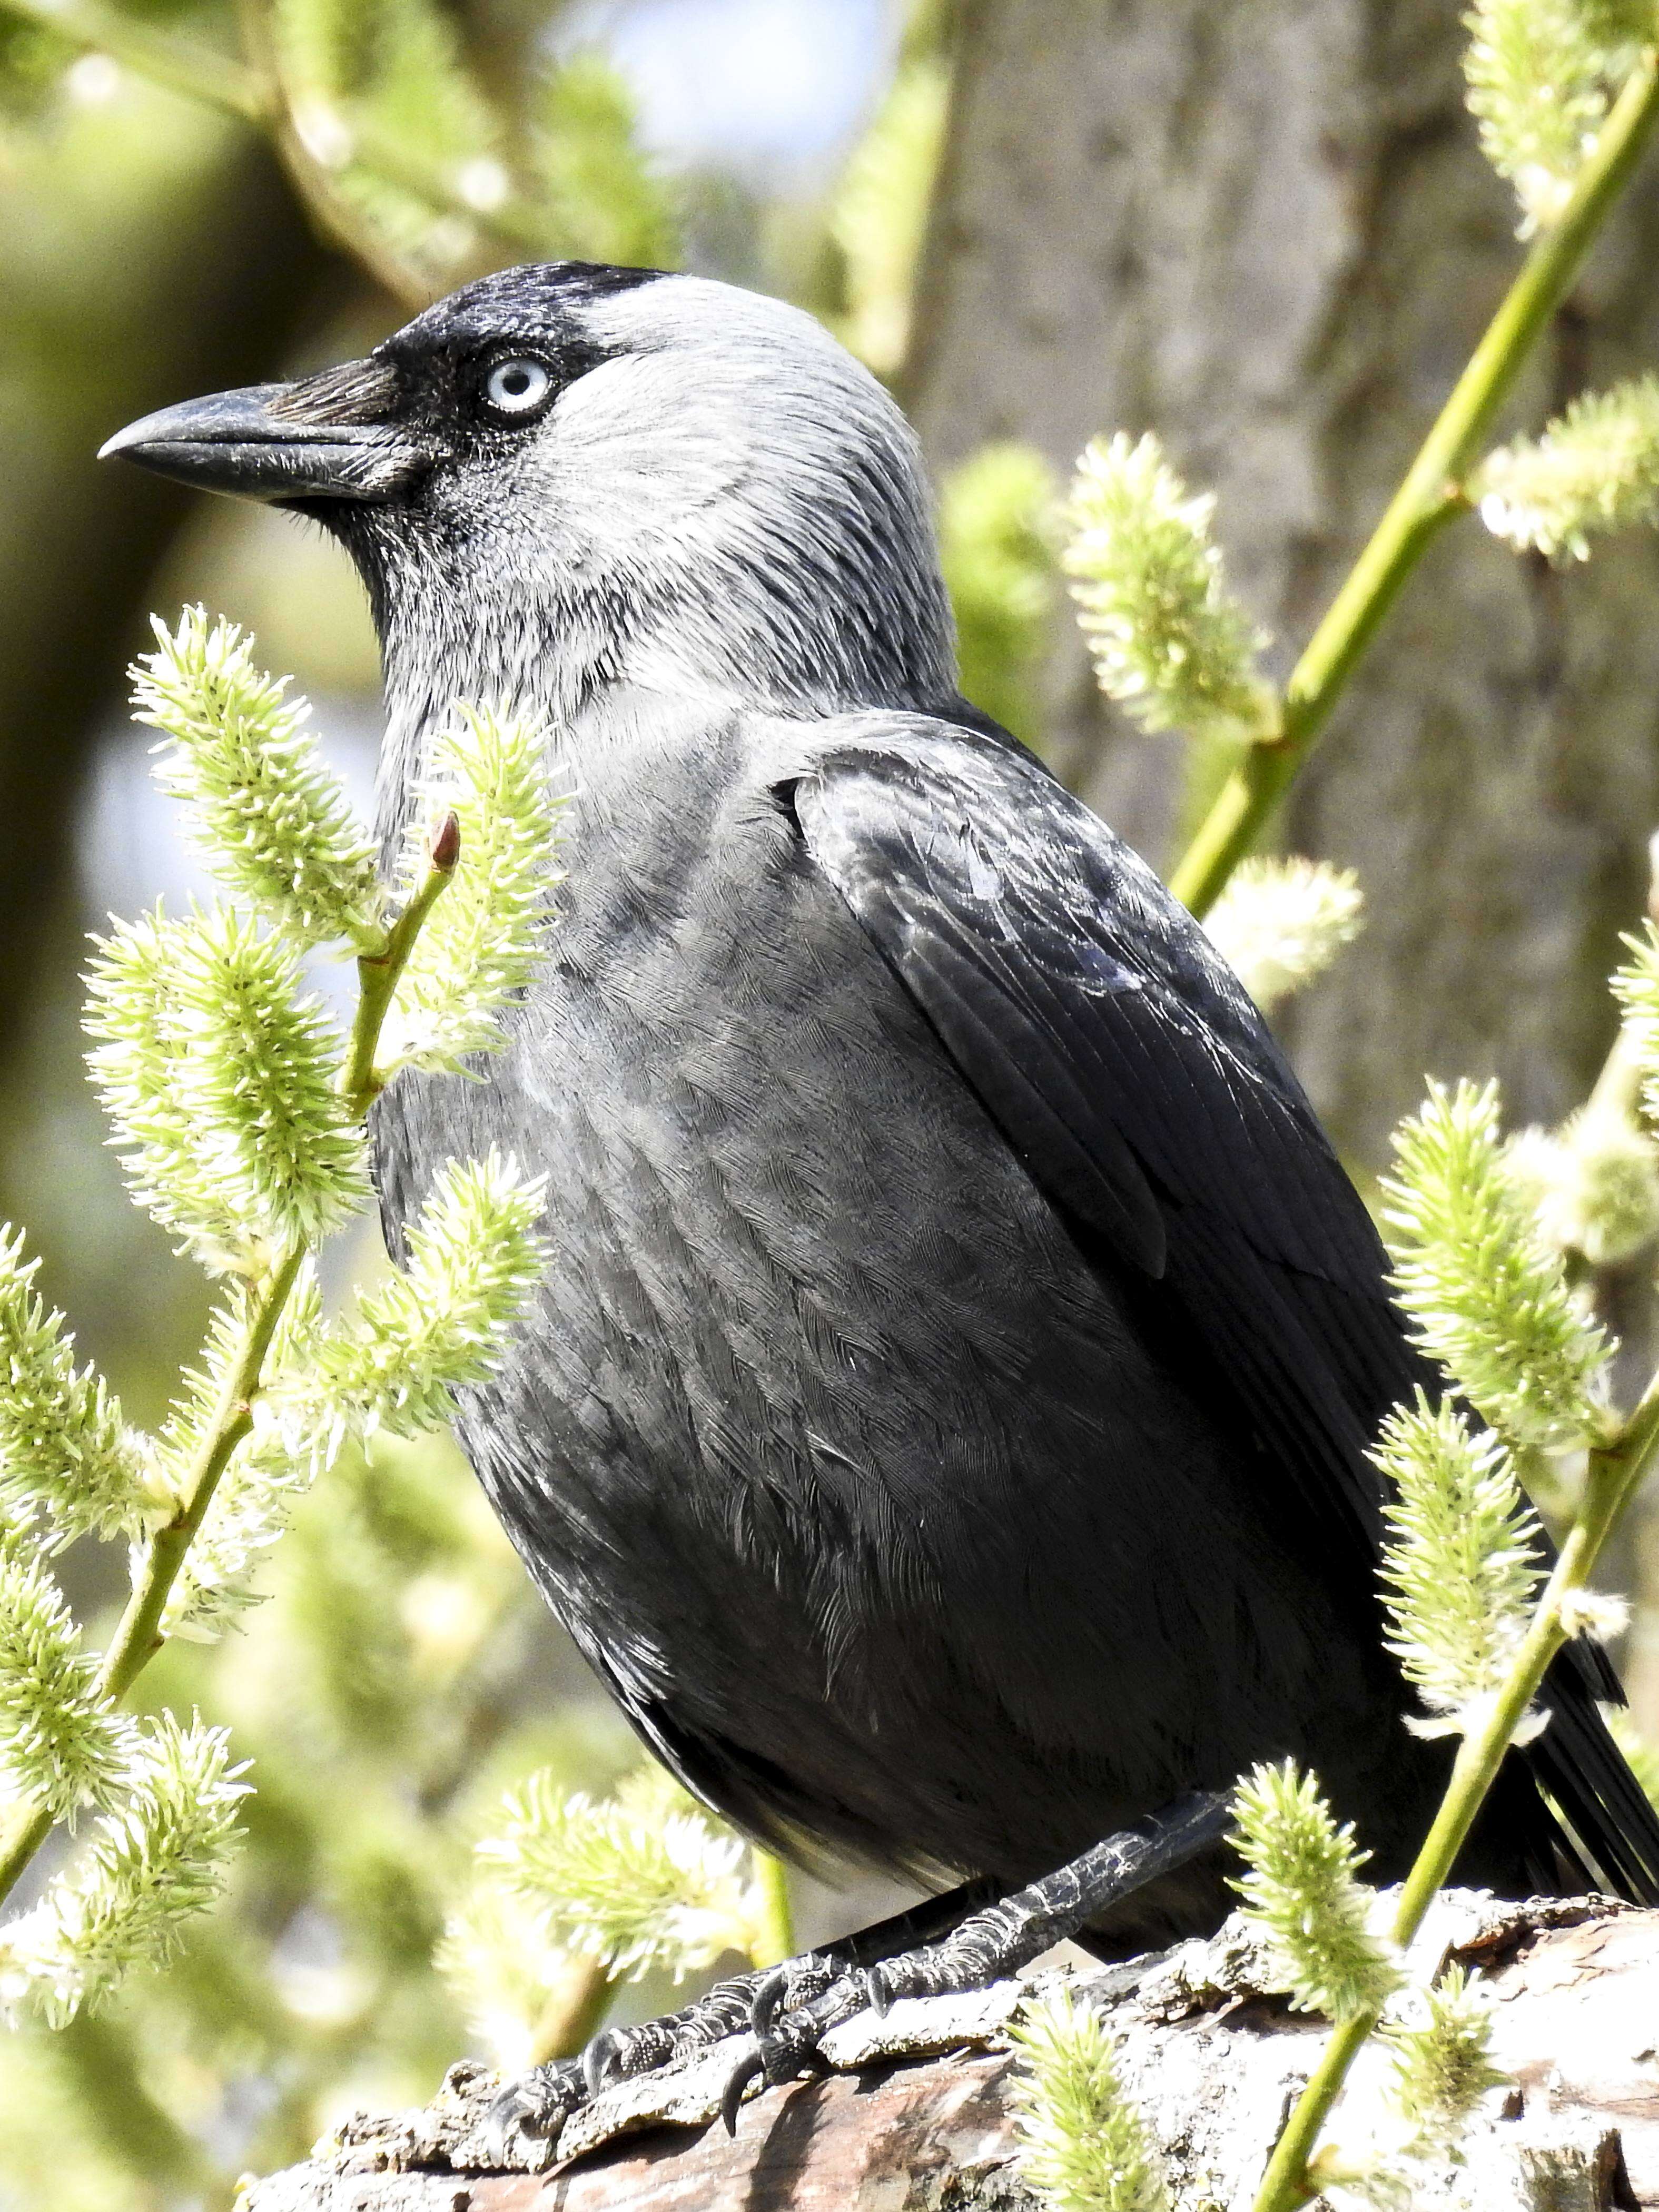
(944, 1420)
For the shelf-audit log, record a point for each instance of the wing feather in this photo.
(1131, 1074)
(1140, 1086)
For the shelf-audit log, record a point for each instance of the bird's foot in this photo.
(522, 2127)
(986, 1947)
(523, 2124)
(780, 2017)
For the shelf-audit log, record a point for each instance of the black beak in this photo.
(334, 436)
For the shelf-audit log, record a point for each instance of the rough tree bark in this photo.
(1211, 2060)
(1265, 231)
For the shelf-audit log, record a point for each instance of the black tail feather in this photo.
(1581, 1769)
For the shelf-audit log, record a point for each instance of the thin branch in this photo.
(360, 1081)
(138, 1636)
(777, 1931)
(1427, 500)
(574, 2012)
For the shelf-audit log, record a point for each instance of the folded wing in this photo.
(1130, 1072)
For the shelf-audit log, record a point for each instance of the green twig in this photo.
(1617, 1088)
(1615, 1471)
(777, 1931)
(1428, 499)
(360, 1081)
(138, 1635)
(573, 2014)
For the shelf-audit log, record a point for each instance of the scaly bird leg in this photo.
(533, 2111)
(987, 1945)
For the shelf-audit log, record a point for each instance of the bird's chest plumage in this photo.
(756, 1162)
(822, 1431)
(721, 1429)
(705, 1066)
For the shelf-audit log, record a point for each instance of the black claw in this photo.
(533, 2111)
(747, 2069)
(878, 1991)
(599, 2058)
(768, 2002)
(505, 2119)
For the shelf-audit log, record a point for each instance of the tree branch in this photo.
(138, 1635)
(1212, 2062)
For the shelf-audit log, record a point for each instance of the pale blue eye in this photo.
(517, 387)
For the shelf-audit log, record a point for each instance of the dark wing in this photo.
(1140, 1086)
(1133, 1076)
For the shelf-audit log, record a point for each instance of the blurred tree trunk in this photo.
(188, 268)
(1265, 231)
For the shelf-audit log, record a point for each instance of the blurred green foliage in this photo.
(400, 1673)
(402, 63)
(996, 541)
(581, 148)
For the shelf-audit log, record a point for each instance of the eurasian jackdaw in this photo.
(944, 1421)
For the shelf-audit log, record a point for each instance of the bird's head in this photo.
(565, 475)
